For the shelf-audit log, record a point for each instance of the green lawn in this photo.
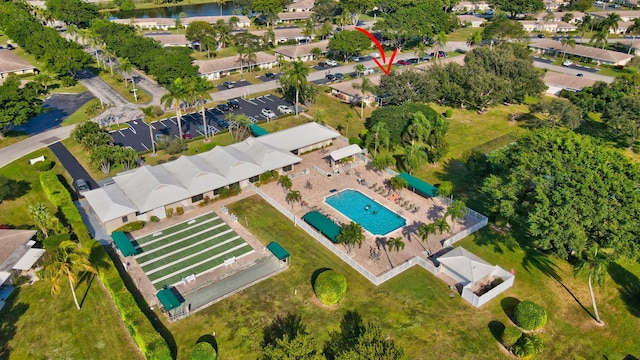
(82, 113)
(12, 137)
(462, 34)
(415, 308)
(116, 83)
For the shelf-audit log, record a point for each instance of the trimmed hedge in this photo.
(132, 226)
(203, 351)
(152, 345)
(330, 287)
(510, 335)
(529, 315)
(61, 199)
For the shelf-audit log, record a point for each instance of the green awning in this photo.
(258, 130)
(278, 250)
(420, 186)
(323, 224)
(123, 243)
(168, 299)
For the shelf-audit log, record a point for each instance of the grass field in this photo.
(190, 247)
(81, 114)
(122, 89)
(414, 308)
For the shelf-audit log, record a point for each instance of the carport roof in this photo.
(299, 137)
(109, 202)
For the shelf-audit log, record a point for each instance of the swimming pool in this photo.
(361, 209)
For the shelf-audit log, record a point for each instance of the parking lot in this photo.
(138, 137)
(234, 84)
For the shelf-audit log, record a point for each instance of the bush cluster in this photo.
(330, 287)
(529, 315)
(61, 199)
(42, 166)
(154, 219)
(132, 226)
(203, 351)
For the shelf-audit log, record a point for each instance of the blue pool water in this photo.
(361, 209)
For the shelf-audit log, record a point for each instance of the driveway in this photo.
(101, 89)
(58, 107)
(72, 165)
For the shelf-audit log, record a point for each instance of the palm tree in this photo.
(413, 157)
(148, 113)
(596, 264)
(379, 136)
(201, 89)
(398, 183)
(457, 210)
(568, 41)
(344, 18)
(350, 235)
(309, 27)
(251, 58)
(359, 69)
(178, 24)
(176, 93)
(395, 244)
(442, 225)
(427, 229)
(320, 116)
(292, 197)
(285, 182)
(242, 52)
(220, 4)
(43, 218)
(600, 38)
(585, 24)
(68, 260)
(419, 127)
(297, 75)
(347, 118)
(633, 29)
(316, 52)
(365, 86)
(421, 50)
(445, 189)
(45, 79)
(126, 67)
(610, 23)
(439, 42)
(474, 39)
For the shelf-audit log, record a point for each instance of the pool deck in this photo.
(315, 187)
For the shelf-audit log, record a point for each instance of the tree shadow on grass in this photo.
(211, 340)
(508, 306)
(9, 316)
(629, 287)
(315, 275)
(497, 329)
(88, 277)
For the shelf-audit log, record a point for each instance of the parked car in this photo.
(186, 136)
(268, 113)
(580, 75)
(233, 104)
(441, 54)
(82, 186)
(403, 63)
(228, 84)
(323, 64)
(332, 63)
(223, 107)
(222, 123)
(270, 75)
(355, 58)
(413, 60)
(10, 47)
(252, 119)
(330, 77)
(375, 55)
(338, 76)
(541, 36)
(426, 57)
(567, 63)
(285, 109)
(368, 71)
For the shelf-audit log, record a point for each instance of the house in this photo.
(559, 16)
(557, 82)
(151, 190)
(170, 39)
(587, 53)
(148, 23)
(464, 6)
(294, 16)
(11, 63)
(627, 43)
(242, 21)
(300, 5)
(553, 27)
(625, 15)
(216, 68)
(471, 20)
(623, 27)
(346, 92)
(17, 254)
(302, 52)
(283, 35)
(552, 5)
(480, 281)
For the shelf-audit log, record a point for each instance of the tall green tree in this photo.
(413, 157)
(395, 245)
(202, 88)
(348, 42)
(176, 93)
(611, 22)
(623, 118)
(293, 196)
(17, 105)
(67, 262)
(567, 41)
(457, 210)
(378, 135)
(442, 225)
(474, 39)
(296, 76)
(518, 7)
(558, 112)
(600, 38)
(43, 219)
(439, 42)
(365, 86)
(268, 8)
(595, 262)
(285, 182)
(350, 235)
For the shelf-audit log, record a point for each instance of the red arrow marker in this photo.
(386, 69)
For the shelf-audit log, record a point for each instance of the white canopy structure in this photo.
(30, 258)
(465, 266)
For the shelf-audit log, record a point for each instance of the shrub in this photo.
(448, 113)
(21, 280)
(169, 212)
(11, 189)
(204, 201)
(176, 146)
(54, 240)
(42, 166)
(356, 140)
(132, 226)
(528, 345)
(529, 315)
(171, 158)
(179, 210)
(510, 335)
(203, 351)
(330, 287)
(154, 219)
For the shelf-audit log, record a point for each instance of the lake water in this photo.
(209, 9)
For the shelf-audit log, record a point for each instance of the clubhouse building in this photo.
(149, 191)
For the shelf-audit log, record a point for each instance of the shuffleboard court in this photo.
(191, 247)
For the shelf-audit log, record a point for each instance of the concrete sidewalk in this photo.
(36, 142)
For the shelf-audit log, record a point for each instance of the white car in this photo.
(375, 54)
(567, 63)
(285, 109)
(252, 119)
(268, 113)
(332, 63)
(368, 71)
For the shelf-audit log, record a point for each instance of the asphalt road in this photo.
(101, 89)
(571, 71)
(58, 107)
(137, 136)
(72, 165)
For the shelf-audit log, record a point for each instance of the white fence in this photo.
(300, 174)
(478, 301)
(348, 167)
(320, 171)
